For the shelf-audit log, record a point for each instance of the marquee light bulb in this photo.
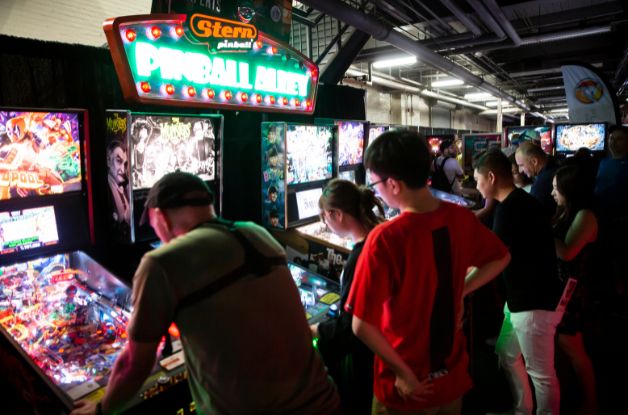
(130, 35)
(156, 32)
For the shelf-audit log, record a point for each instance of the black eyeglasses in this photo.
(372, 185)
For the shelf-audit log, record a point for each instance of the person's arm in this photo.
(478, 277)
(406, 382)
(130, 370)
(582, 231)
(486, 210)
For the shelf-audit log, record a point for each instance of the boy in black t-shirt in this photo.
(533, 290)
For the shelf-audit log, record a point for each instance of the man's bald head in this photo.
(530, 159)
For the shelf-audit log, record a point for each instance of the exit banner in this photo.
(207, 61)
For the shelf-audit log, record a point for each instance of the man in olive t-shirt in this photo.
(247, 346)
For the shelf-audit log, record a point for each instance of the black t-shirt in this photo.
(531, 277)
(349, 361)
(336, 335)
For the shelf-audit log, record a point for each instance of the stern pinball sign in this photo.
(208, 61)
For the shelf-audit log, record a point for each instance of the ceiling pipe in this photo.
(621, 74)
(546, 71)
(384, 82)
(390, 82)
(497, 12)
(546, 88)
(534, 40)
(462, 17)
(379, 31)
(566, 35)
(486, 17)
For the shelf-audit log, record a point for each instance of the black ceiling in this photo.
(497, 59)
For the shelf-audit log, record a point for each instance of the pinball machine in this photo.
(63, 315)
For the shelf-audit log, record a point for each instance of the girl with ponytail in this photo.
(348, 210)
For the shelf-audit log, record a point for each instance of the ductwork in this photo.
(462, 17)
(533, 40)
(486, 17)
(570, 34)
(390, 82)
(497, 12)
(379, 31)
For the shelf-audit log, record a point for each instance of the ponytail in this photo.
(369, 202)
(358, 202)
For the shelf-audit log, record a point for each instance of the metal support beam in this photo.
(331, 44)
(342, 60)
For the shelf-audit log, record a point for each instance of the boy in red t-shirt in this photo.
(410, 281)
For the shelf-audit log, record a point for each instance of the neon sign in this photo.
(208, 27)
(208, 62)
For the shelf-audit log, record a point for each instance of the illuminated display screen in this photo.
(451, 198)
(307, 202)
(350, 143)
(319, 230)
(310, 153)
(65, 328)
(40, 153)
(569, 138)
(209, 61)
(26, 229)
(164, 144)
(347, 175)
(474, 145)
(319, 296)
(376, 131)
(541, 134)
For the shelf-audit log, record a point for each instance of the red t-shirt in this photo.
(408, 283)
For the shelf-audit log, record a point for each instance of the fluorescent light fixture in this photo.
(559, 110)
(478, 96)
(493, 104)
(447, 82)
(387, 63)
(504, 111)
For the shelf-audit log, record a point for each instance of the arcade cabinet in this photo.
(474, 145)
(541, 134)
(297, 161)
(63, 316)
(142, 147)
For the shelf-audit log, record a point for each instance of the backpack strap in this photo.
(255, 263)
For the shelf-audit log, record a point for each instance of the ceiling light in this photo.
(504, 111)
(478, 96)
(493, 104)
(559, 110)
(447, 82)
(387, 63)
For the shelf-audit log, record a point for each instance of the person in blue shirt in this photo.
(534, 163)
(611, 197)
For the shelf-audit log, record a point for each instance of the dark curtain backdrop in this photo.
(38, 74)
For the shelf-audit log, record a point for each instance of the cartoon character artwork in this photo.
(40, 153)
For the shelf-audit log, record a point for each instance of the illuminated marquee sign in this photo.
(208, 62)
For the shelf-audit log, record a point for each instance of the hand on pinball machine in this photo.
(85, 407)
(314, 330)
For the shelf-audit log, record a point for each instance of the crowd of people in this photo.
(399, 344)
